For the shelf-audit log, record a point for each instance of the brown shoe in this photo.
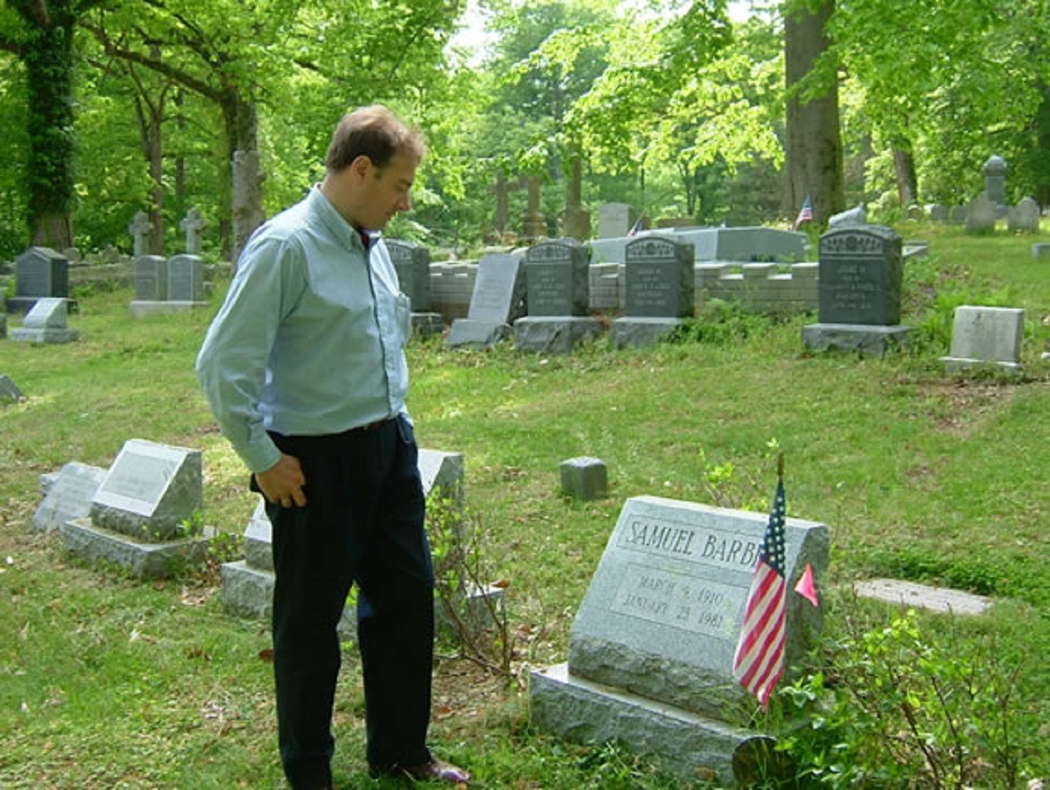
(435, 770)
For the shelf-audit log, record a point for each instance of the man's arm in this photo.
(232, 361)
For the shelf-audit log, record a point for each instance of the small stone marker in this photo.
(498, 300)
(939, 212)
(186, 279)
(859, 291)
(149, 490)
(39, 272)
(9, 391)
(986, 336)
(69, 496)
(412, 263)
(139, 230)
(658, 290)
(651, 650)
(584, 478)
(1040, 250)
(981, 214)
(558, 287)
(937, 599)
(192, 224)
(850, 218)
(1024, 217)
(46, 323)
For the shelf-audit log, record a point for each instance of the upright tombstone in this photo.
(69, 496)
(40, 272)
(1024, 217)
(534, 225)
(412, 263)
(558, 288)
(139, 230)
(192, 225)
(614, 220)
(139, 515)
(994, 171)
(859, 291)
(850, 218)
(651, 650)
(939, 212)
(247, 585)
(497, 301)
(981, 214)
(659, 283)
(46, 323)
(957, 215)
(186, 280)
(988, 337)
(9, 391)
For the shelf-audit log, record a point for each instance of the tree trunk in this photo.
(1041, 168)
(48, 59)
(904, 166)
(150, 117)
(813, 165)
(242, 136)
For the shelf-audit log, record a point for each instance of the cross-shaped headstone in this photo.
(193, 224)
(139, 230)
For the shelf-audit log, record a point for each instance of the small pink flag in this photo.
(806, 586)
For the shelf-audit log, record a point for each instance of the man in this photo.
(305, 371)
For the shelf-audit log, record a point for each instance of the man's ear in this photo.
(361, 166)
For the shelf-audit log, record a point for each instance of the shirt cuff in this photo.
(260, 454)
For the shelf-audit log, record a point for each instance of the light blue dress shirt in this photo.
(310, 339)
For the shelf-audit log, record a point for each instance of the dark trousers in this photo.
(363, 523)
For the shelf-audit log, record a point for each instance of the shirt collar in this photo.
(336, 224)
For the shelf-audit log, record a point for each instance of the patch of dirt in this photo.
(963, 405)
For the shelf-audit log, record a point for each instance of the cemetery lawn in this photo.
(108, 682)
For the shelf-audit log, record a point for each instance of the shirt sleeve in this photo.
(232, 361)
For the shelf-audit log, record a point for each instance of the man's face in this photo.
(387, 191)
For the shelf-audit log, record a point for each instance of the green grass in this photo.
(112, 683)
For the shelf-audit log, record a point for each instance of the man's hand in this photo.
(283, 482)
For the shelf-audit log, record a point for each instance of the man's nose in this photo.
(404, 204)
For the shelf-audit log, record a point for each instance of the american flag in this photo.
(759, 659)
(805, 214)
(635, 228)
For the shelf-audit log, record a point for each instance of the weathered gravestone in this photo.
(850, 218)
(498, 300)
(192, 224)
(651, 650)
(69, 496)
(859, 291)
(186, 281)
(584, 478)
(46, 323)
(981, 214)
(939, 212)
(248, 584)
(9, 391)
(1024, 217)
(558, 297)
(957, 215)
(139, 230)
(1040, 251)
(40, 272)
(986, 337)
(614, 220)
(658, 290)
(142, 513)
(994, 171)
(412, 263)
(151, 286)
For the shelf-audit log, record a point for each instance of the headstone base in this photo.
(691, 746)
(636, 332)
(24, 335)
(471, 333)
(960, 364)
(138, 309)
(1040, 251)
(558, 334)
(426, 324)
(141, 559)
(873, 340)
(20, 305)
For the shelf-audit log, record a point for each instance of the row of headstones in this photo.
(167, 284)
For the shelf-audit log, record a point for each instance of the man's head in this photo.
(371, 165)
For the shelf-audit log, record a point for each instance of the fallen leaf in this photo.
(266, 654)
(501, 584)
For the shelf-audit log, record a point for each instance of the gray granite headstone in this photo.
(994, 171)
(614, 220)
(1024, 217)
(659, 278)
(498, 299)
(957, 215)
(40, 271)
(556, 273)
(149, 490)
(860, 276)
(186, 278)
(939, 212)
(69, 496)
(986, 336)
(584, 478)
(850, 218)
(139, 230)
(192, 224)
(981, 214)
(9, 390)
(45, 323)
(412, 262)
(151, 278)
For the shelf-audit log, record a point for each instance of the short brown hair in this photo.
(375, 132)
